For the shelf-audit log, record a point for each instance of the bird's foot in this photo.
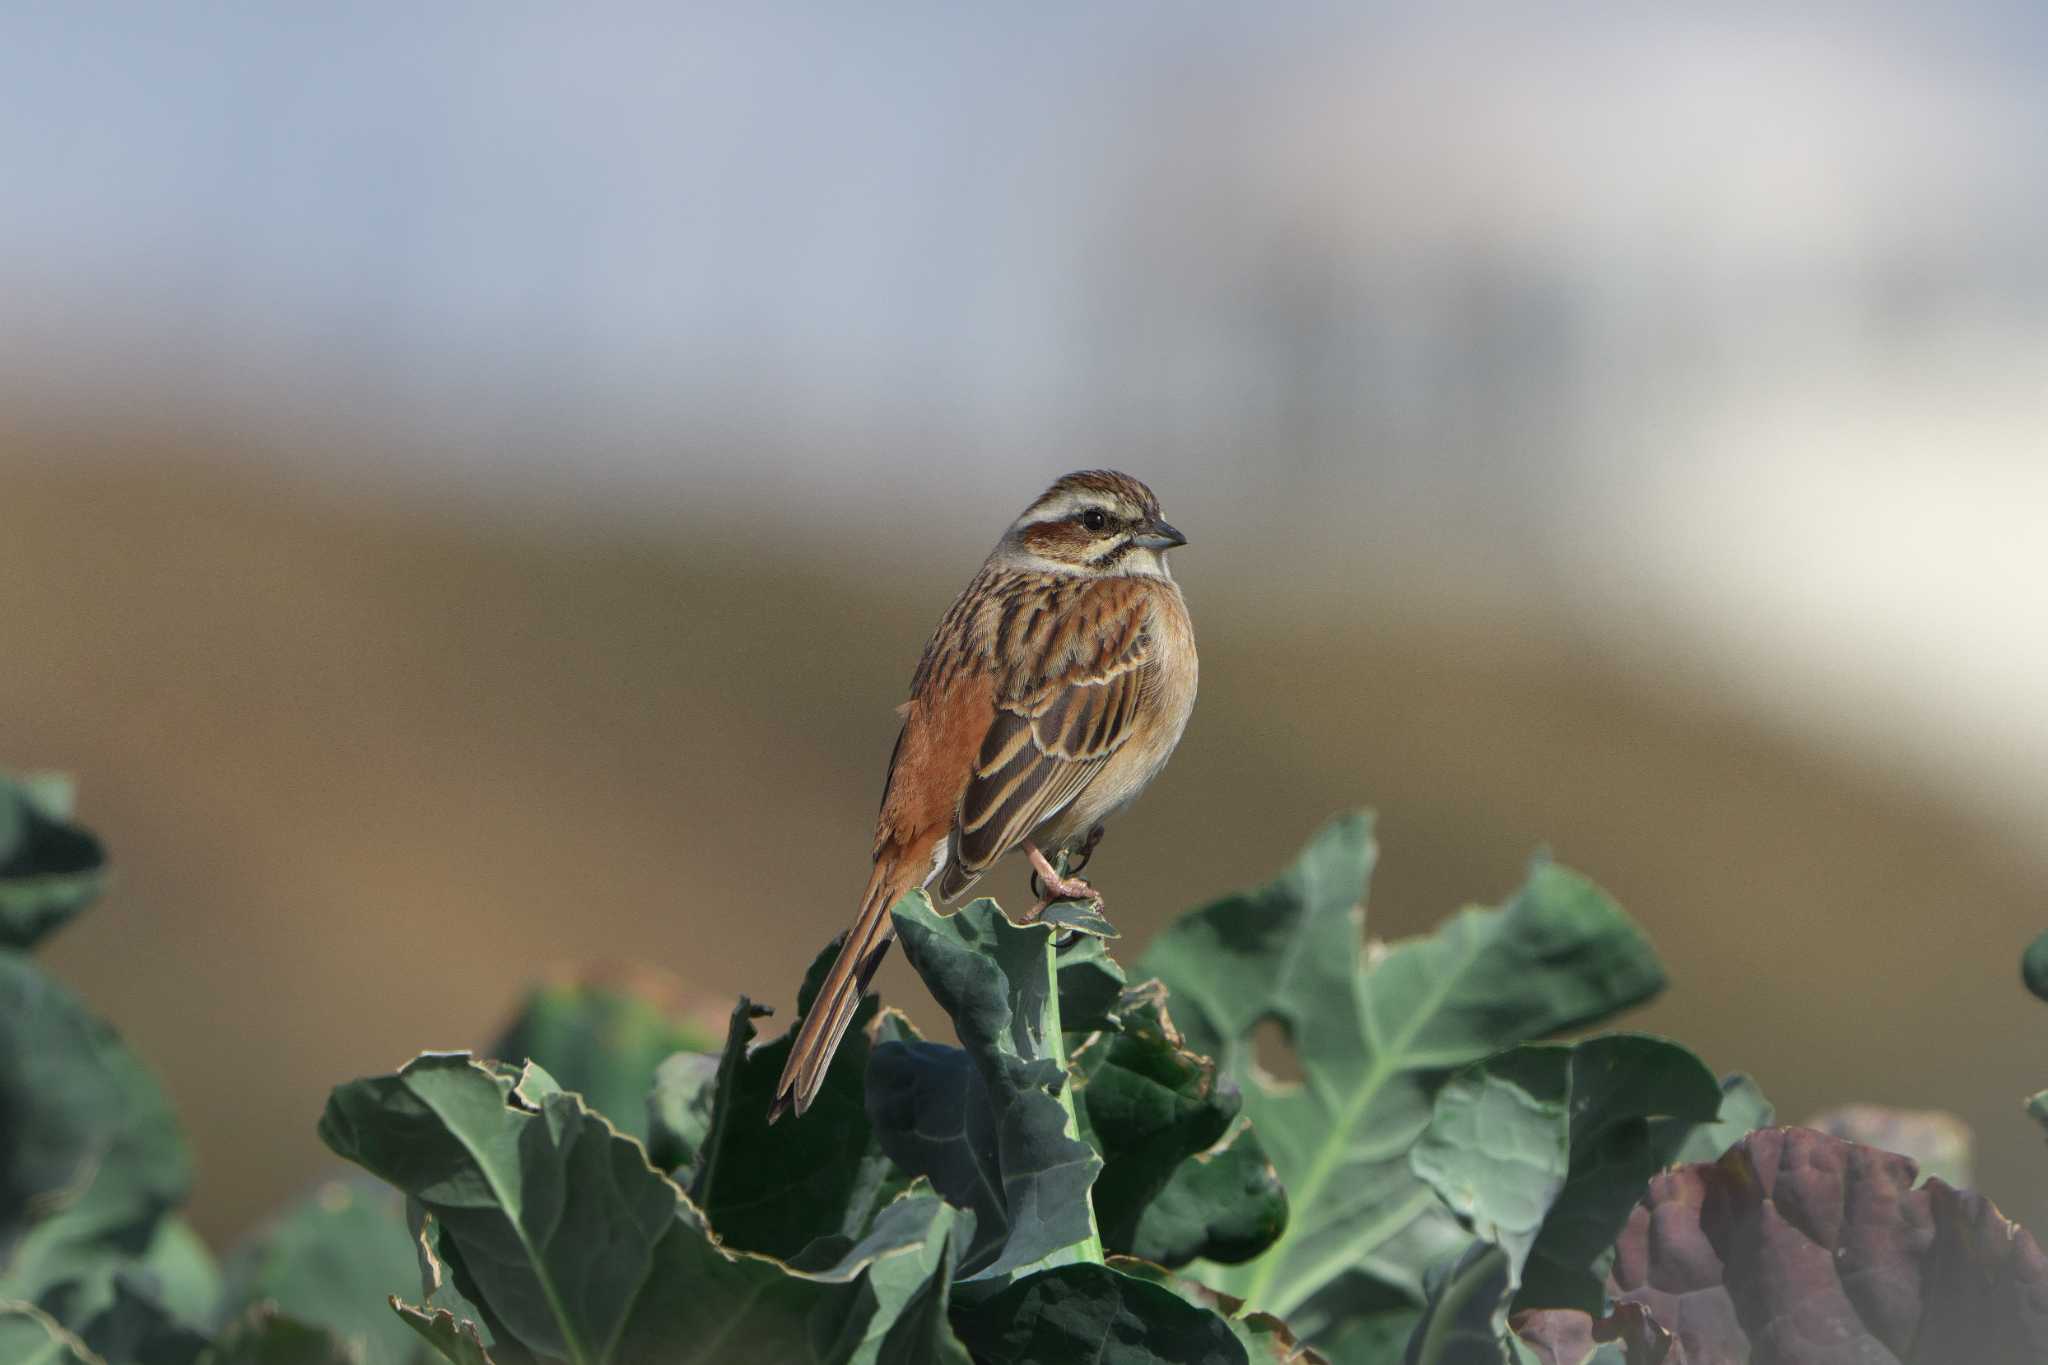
(1052, 887)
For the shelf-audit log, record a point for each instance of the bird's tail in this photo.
(860, 954)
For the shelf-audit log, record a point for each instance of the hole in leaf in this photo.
(1276, 1065)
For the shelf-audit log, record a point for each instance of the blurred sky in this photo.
(1702, 346)
(1727, 327)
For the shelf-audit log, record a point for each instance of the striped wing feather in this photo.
(1049, 739)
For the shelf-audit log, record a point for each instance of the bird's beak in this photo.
(1159, 535)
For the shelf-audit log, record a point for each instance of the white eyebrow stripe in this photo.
(1066, 505)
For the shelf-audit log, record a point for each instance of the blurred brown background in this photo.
(472, 487)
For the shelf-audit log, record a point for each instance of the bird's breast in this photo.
(1169, 702)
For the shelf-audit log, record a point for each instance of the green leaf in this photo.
(75, 1280)
(911, 1324)
(602, 1033)
(50, 869)
(29, 1336)
(574, 1248)
(453, 1339)
(523, 1187)
(1088, 1312)
(1077, 917)
(1266, 1339)
(1155, 1111)
(2034, 967)
(1561, 1141)
(1373, 1339)
(777, 1187)
(181, 1271)
(1091, 982)
(1467, 1314)
(679, 1110)
(134, 1328)
(332, 1260)
(1743, 1110)
(1375, 1036)
(264, 1336)
(93, 1158)
(1225, 1205)
(986, 1123)
(1269, 1341)
(1498, 1148)
(1638, 1103)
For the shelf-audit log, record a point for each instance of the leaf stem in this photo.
(1089, 1250)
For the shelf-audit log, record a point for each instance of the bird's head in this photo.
(1095, 522)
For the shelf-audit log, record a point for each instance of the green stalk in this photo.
(1090, 1250)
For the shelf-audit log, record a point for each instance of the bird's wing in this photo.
(1073, 700)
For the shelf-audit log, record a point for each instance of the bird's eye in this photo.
(1095, 519)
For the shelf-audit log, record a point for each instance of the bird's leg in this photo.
(1078, 861)
(1075, 862)
(1053, 887)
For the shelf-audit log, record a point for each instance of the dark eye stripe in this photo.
(1111, 555)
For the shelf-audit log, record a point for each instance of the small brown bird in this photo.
(1053, 691)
